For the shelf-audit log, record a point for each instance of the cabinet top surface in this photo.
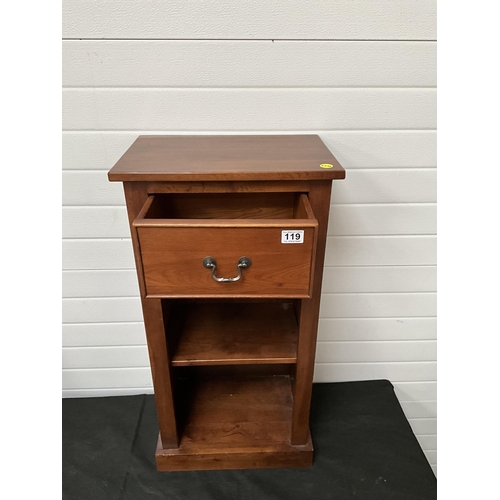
(226, 158)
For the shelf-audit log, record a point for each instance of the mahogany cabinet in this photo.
(229, 236)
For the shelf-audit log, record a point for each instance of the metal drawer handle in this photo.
(210, 263)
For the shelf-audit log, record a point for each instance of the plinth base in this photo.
(279, 456)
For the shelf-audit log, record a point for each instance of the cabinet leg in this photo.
(306, 351)
(319, 197)
(154, 321)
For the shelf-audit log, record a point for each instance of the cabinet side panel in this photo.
(319, 198)
(154, 321)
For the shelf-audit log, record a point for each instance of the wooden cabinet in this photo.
(229, 236)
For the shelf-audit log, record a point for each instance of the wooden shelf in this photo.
(234, 422)
(232, 333)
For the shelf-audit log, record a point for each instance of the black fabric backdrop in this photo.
(364, 449)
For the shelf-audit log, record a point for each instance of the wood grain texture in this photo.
(172, 250)
(228, 186)
(155, 315)
(233, 333)
(232, 158)
(235, 412)
(212, 19)
(235, 204)
(168, 234)
(282, 457)
(234, 423)
(208, 219)
(172, 261)
(167, 228)
(319, 197)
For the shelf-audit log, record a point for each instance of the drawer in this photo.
(227, 245)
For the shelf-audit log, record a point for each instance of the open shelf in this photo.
(233, 419)
(237, 411)
(232, 333)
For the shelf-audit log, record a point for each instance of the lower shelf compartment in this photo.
(236, 422)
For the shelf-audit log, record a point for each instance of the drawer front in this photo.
(172, 260)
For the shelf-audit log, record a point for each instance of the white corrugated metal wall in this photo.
(360, 74)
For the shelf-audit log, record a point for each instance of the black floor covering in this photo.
(364, 449)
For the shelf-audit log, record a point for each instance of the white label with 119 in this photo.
(296, 236)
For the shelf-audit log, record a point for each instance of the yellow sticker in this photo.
(326, 165)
